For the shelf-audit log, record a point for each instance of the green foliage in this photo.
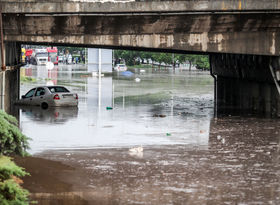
(9, 168)
(10, 191)
(131, 58)
(27, 79)
(12, 141)
(203, 63)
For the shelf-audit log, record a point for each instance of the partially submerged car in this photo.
(46, 96)
(120, 67)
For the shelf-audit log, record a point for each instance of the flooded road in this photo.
(183, 100)
(82, 156)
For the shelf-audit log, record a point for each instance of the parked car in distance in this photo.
(46, 96)
(60, 59)
(120, 67)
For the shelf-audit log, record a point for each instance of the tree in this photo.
(131, 58)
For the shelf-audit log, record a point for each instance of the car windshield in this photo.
(121, 65)
(55, 89)
(52, 54)
(30, 93)
(41, 54)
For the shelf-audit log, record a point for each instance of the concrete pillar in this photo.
(236, 96)
(10, 78)
(245, 85)
(9, 88)
(0, 57)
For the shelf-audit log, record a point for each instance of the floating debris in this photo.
(136, 149)
(156, 115)
(137, 80)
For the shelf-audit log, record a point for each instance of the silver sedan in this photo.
(46, 96)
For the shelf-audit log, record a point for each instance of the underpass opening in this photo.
(152, 81)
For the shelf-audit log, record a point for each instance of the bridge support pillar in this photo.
(245, 85)
(10, 78)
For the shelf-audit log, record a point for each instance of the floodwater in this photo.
(83, 156)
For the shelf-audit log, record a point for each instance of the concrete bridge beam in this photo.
(257, 34)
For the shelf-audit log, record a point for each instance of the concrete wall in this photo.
(9, 89)
(247, 97)
(12, 53)
(10, 78)
(245, 85)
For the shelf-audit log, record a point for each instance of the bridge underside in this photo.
(247, 33)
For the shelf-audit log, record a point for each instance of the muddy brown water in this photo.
(189, 157)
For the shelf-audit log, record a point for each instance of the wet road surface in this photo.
(189, 157)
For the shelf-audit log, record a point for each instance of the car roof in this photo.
(48, 86)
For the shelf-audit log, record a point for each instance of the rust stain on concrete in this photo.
(240, 5)
(201, 40)
(272, 48)
(223, 6)
(218, 39)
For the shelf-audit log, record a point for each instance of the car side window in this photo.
(30, 93)
(40, 92)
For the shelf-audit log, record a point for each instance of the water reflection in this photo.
(51, 115)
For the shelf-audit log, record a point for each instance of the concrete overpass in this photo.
(241, 36)
(229, 26)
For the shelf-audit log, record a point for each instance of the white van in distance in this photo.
(41, 56)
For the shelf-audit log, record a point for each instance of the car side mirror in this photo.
(23, 96)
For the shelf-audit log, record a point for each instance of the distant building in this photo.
(105, 60)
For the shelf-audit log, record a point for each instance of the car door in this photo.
(28, 97)
(39, 96)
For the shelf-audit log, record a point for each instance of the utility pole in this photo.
(173, 65)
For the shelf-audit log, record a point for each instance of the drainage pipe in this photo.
(3, 67)
(3, 91)
(215, 86)
(274, 78)
(99, 61)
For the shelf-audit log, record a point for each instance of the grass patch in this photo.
(150, 98)
(27, 79)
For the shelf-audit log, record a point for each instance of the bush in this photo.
(11, 193)
(12, 141)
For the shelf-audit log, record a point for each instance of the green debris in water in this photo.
(109, 108)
